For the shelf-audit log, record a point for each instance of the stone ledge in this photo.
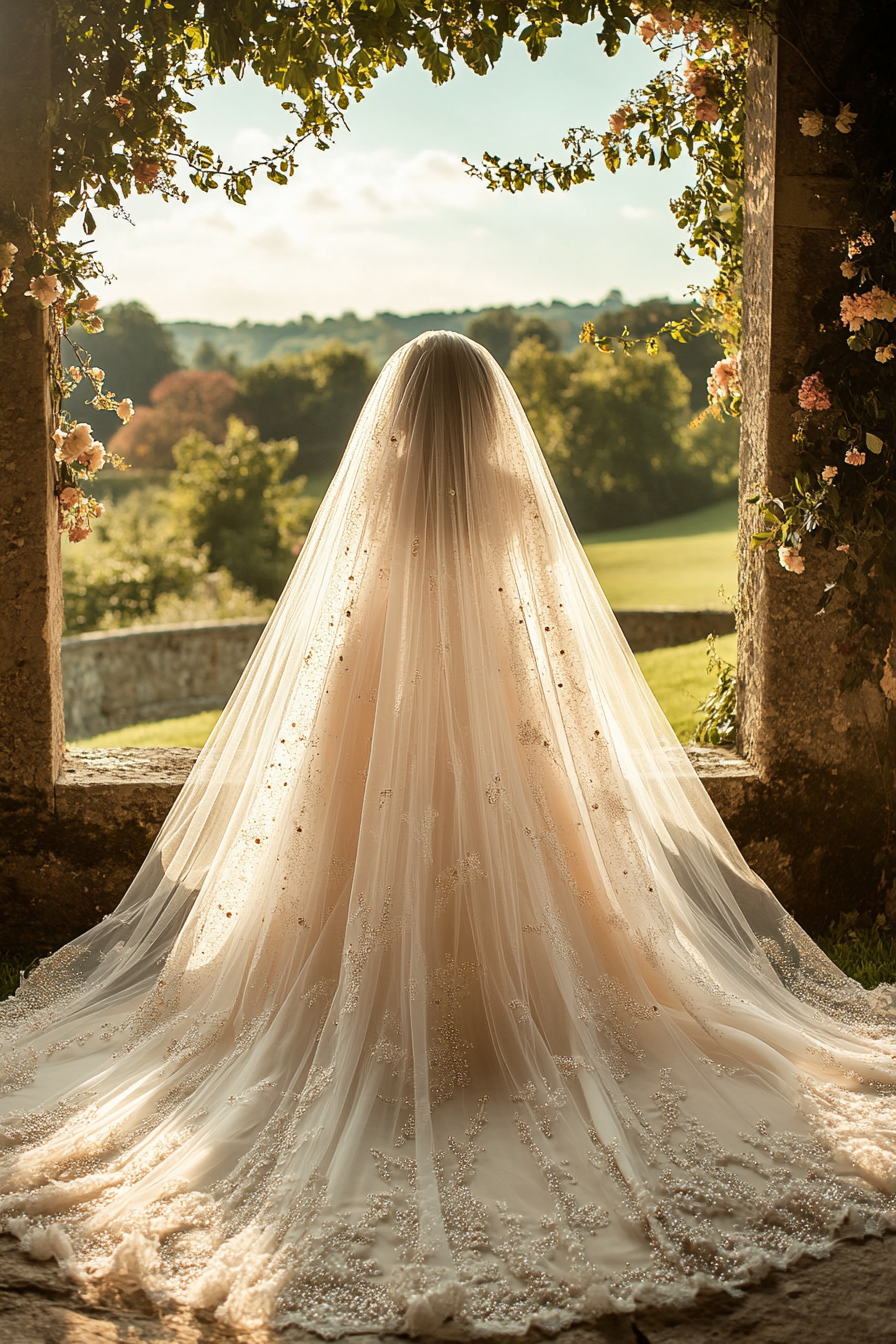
(127, 784)
(151, 778)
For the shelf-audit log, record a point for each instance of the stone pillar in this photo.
(31, 723)
(822, 753)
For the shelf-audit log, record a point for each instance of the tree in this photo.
(135, 352)
(501, 330)
(209, 358)
(614, 429)
(187, 400)
(315, 396)
(234, 503)
(138, 556)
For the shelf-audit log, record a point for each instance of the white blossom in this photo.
(46, 289)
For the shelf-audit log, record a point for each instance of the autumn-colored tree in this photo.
(184, 401)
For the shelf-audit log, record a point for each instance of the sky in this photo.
(388, 218)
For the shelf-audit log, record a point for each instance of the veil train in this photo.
(443, 994)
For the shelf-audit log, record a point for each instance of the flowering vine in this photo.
(57, 274)
(693, 106)
(844, 493)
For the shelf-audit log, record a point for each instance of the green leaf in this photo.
(873, 443)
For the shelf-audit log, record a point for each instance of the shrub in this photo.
(135, 557)
(233, 503)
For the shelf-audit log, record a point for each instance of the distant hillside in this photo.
(378, 336)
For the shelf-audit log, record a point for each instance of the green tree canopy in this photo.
(501, 330)
(615, 431)
(315, 396)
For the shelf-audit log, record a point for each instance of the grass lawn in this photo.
(679, 679)
(680, 562)
(187, 732)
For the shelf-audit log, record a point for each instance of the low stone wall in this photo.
(664, 627)
(113, 679)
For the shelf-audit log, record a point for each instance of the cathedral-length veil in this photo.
(443, 994)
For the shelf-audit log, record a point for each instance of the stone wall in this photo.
(113, 679)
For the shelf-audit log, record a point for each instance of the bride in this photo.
(443, 998)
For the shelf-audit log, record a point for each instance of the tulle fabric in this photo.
(443, 999)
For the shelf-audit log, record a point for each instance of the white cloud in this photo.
(635, 212)
(353, 188)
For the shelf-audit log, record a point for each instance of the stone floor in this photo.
(847, 1299)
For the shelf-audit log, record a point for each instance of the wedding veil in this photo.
(443, 883)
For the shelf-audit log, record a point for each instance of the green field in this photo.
(680, 562)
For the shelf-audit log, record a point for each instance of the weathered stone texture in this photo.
(817, 749)
(31, 725)
(114, 678)
(63, 867)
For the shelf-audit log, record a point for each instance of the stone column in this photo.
(31, 723)
(821, 752)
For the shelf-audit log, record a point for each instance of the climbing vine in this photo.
(844, 410)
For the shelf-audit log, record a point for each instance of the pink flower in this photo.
(876, 303)
(855, 458)
(884, 353)
(789, 558)
(845, 119)
(665, 20)
(724, 378)
(69, 495)
(844, 548)
(849, 269)
(79, 533)
(646, 29)
(70, 446)
(125, 410)
(692, 25)
(829, 473)
(5, 279)
(706, 109)
(146, 171)
(96, 375)
(75, 373)
(88, 304)
(99, 510)
(93, 457)
(812, 123)
(813, 395)
(46, 289)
